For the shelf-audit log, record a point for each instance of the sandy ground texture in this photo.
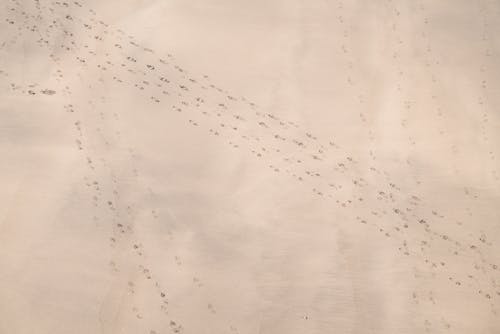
(249, 167)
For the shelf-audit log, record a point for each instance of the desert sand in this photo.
(250, 167)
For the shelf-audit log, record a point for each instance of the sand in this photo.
(264, 167)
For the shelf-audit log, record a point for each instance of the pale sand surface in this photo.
(266, 167)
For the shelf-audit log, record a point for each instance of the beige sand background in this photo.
(223, 166)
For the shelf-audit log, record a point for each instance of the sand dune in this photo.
(249, 167)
